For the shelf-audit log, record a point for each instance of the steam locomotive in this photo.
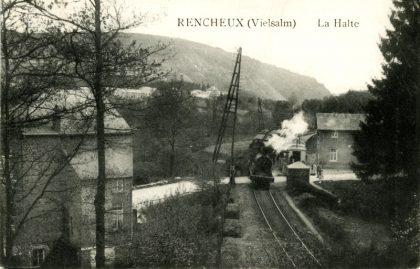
(261, 161)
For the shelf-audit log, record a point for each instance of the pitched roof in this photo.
(134, 94)
(80, 116)
(305, 137)
(339, 121)
(119, 161)
(297, 165)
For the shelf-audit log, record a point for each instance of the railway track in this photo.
(291, 244)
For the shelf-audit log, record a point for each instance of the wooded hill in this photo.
(200, 63)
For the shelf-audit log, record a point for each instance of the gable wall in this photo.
(343, 144)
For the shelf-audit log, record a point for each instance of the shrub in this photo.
(182, 231)
(379, 201)
(391, 201)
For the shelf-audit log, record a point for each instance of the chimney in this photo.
(56, 120)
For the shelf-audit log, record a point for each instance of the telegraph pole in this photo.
(261, 125)
(231, 107)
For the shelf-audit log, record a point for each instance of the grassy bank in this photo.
(379, 201)
(183, 231)
(373, 226)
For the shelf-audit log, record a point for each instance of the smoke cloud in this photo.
(281, 139)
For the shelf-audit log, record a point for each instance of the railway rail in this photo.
(282, 230)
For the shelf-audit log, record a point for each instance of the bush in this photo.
(392, 202)
(380, 201)
(182, 231)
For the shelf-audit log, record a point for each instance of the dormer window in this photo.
(335, 134)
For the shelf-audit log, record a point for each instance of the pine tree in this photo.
(386, 144)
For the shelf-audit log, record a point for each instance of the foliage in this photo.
(385, 202)
(283, 110)
(380, 201)
(169, 118)
(62, 254)
(88, 46)
(30, 74)
(198, 124)
(349, 102)
(182, 231)
(186, 85)
(386, 144)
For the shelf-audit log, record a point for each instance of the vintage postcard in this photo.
(209, 134)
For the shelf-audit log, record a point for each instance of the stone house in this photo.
(333, 143)
(57, 165)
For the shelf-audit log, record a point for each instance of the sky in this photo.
(339, 58)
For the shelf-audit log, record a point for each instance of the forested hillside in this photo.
(200, 63)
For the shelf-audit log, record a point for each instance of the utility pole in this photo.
(231, 107)
(417, 141)
(261, 125)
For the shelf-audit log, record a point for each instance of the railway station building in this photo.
(332, 147)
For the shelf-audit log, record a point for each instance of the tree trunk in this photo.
(100, 188)
(417, 141)
(172, 160)
(1, 232)
(417, 123)
(100, 140)
(5, 147)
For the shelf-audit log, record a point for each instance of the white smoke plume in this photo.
(282, 138)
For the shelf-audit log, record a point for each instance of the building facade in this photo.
(334, 140)
(58, 170)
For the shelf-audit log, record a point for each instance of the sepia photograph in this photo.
(209, 134)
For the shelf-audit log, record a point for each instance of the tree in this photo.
(216, 104)
(283, 110)
(386, 144)
(349, 102)
(293, 101)
(29, 72)
(170, 117)
(94, 48)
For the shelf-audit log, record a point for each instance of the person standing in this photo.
(319, 171)
(313, 170)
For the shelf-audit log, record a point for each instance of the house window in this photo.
(117, 219)
(116, 216)
(335, 134)
(119, 185)
(333, 155)
(37, 256)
